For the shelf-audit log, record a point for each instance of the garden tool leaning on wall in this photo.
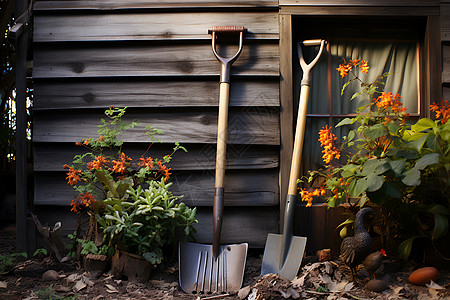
(284, 252)
(218, 268)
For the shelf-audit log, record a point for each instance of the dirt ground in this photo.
(316, 280)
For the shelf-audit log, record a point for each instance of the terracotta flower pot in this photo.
(96, 264)
(131, 267)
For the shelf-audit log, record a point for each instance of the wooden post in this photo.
(21, 127)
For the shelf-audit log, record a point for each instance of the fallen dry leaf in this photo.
(298, 281)
(111, 289)
(79, 285)
(434, 285)
(3, 284)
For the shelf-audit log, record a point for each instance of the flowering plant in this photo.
(105, 177)
(389, 163)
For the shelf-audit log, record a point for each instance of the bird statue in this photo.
(354, 249)
(373, 262)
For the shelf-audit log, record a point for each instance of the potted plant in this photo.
(387, 160)
(112, 189)
(144, 222)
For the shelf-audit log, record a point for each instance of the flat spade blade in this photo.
(201, 273)
(273, 252)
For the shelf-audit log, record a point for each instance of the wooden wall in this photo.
(155, 57)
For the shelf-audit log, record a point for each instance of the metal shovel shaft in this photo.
(283, 253)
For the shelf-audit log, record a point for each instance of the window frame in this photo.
(429, 68)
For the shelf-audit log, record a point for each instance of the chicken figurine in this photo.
(354, 249)
(373, 262)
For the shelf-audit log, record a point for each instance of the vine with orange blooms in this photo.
(107, 180)
(390, 162)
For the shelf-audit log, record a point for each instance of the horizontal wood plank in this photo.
(446, 64)
(382, 11)
(445, 22)
(152, 4)
(249, 126)
(53, 156)
(242, 188)
(150, 26)
(118, 60)
(360, 2)
(240, 225)
(55, 94)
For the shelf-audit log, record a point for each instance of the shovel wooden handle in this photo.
(222, 134)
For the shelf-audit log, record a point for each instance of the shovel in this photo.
(283, 253)
(206, 269)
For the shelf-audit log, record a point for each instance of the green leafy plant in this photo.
(391, 162)
(108, 181)
(9, 261)
(40, 251)
(89, 247)
(146, 221)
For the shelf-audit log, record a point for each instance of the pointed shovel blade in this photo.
(273, 253)
(201, 273)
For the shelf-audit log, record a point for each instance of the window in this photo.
(390, 45)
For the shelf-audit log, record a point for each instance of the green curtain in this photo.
(399, 58)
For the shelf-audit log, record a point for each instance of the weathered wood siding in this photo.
(155, 58)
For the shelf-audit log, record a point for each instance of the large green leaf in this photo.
(440, 214)
(374, 182)
(412, 177)
(375, 131)
(404, 249)
(423, 124)
(346, 121)
(361, 186)
(426, 160)
(398, 166)
(106, 179)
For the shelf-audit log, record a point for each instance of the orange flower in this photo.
(164, 170)
(307, 196)
(97, 163)
(73, 176)
(364, 66)
(146, 162)
(387, 100)
(443, 112)
(82, 201)
(344, 69)
(120, 165)
(326, 139)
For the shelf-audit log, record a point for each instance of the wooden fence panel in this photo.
(155, 57)
(252, 126)
(55, 94)
(199, 157)
(150, 26)
(242, 188)
(153, 4)
(240, 224)
(118, 60)
(445, 22)
(383, 3)
(446, 63)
